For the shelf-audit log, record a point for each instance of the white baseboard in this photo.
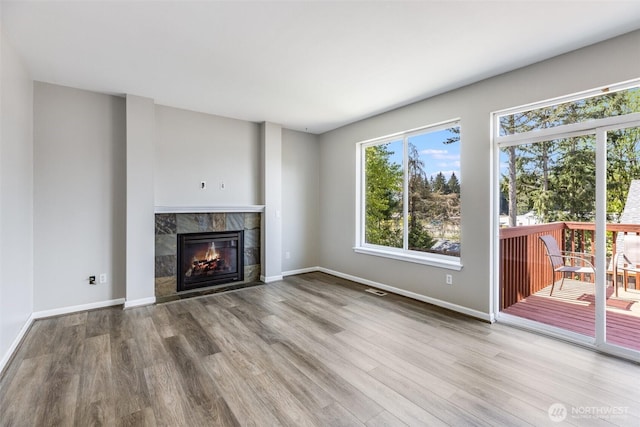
(454, 307)
(16, 342)
(76, 308)
(139, 302)
(270, 279)
(300, 271)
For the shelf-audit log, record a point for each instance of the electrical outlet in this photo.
(103, 278)
(92, 280)
(449, 279)
(203, 185)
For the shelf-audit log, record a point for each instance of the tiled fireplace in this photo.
(170, 225)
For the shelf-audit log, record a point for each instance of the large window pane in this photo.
(623, 167)
(434, 192)
(548, 181)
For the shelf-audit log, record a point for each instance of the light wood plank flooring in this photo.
(311, 350)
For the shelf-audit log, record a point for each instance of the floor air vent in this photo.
(375, 292)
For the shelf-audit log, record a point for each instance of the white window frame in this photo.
(427, 258)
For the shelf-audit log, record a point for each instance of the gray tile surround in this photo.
(169, 225)
(166, 244)
(235, 221)
(165, 224)
(166, 265)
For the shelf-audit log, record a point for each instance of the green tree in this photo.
(623, 153)
(453, 184)
(556, 179)
(419, 200)
(623, 166)
(574, 181)
(439, 184)
(383, 183)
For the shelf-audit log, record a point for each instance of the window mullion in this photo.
(405, 196)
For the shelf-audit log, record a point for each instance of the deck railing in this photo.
(524, 267)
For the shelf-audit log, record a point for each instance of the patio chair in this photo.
(628, 260)
(561, 261)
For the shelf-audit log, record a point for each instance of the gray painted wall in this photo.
(300, 200)
(140, 237)
(16, 197)
(193, 147)
(271, 191)
(605, 63)
(79, 199)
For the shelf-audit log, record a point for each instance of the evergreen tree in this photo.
(556, 179)
(453, 184)
(574, 181)
(419, 199)
(383, 183)
(439, 184)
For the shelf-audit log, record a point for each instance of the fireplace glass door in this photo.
(207, 259)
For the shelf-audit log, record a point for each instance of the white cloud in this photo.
(449, 164)
(431, 151)
(439, 154)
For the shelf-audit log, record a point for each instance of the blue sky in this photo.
(436, 156)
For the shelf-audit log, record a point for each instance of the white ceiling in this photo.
(306, 65)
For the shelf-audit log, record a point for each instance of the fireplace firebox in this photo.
(208, 259)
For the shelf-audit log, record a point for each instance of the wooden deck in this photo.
(573, 309)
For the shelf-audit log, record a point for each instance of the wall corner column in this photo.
(271, 189)
(140, 228)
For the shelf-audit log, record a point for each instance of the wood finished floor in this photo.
(312, 350)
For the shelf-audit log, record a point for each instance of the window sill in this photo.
(443, 261)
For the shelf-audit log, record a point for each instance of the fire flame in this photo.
(211, 253)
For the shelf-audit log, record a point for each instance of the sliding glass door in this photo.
(547, 246)
(568, 220)
(620, 301)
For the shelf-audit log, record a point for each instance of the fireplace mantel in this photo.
(208, 209)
